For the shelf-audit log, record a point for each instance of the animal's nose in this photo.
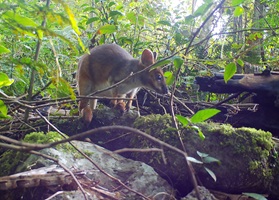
(165, 90)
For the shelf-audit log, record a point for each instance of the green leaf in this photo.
(107, 29)
(230, 70)
(169, 77)
(61, 88)
(132, 17)
(4, 80)
(211, 173)
(200, 133)
(24, 21)
(115, 13)
(177, 61)
(194, 160)
(164, 22)
(183, 120)
(236, 2)
(161, 63)
(203, 115)
(3, 109)
(88, 9)
(40, 34)
(238, 11)
(255, 196)
(4, 50)
(71, 17)
(92, 19)
(240, 62)
(111, 3)
(135, 19)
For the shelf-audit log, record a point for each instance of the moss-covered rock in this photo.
(11, 160)
(244, 154)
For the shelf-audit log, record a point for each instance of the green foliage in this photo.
(4, 80)
(42, 138)
(205, 158)
(238, 11)
(3, 111)
(230, 70)
(4, 50)
(200, 116)
(255, 196)
(61, 88)
(203, 115)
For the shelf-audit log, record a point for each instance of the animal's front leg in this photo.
(131, 96)
(118, 104)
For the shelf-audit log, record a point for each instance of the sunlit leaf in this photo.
(211, 173)
(255, 196)
(4, 50)
(71, 18)
(199, 131)
(230, 70)
(238, 11)
(107, 29)
(240, 62)
(24, 21)
(203, 115)
(40, 34)
(237, 2)
(169, 77)
(183, 120)
(5, 80)
(3, 109)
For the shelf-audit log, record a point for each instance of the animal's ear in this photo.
(147, 57)
(155, 55)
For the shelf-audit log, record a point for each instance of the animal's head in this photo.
(153, 79)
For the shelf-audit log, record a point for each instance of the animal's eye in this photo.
(159, 77)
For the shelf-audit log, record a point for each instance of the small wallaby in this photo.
(108, 64)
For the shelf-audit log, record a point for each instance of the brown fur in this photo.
(109, 64)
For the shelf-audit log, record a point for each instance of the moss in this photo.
(152, 123)
(11, 159)
(234, 147)
(49, 137)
